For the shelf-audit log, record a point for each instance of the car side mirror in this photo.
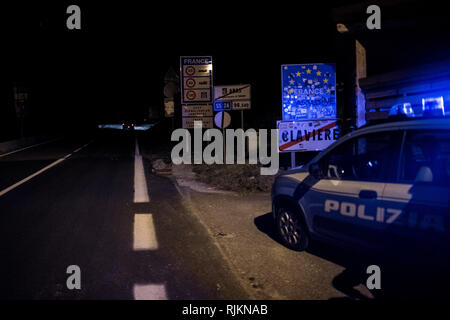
(315, 170)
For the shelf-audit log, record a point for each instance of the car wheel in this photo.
(291, 229)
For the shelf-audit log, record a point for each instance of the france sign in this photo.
(308, 91)
(313, 135)
(196, 80)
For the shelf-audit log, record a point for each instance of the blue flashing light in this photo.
(433, 106)
(402, 109)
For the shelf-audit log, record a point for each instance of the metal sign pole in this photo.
(223, 135)
(292, 160)
(242, 126)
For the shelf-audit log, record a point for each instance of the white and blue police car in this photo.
(380, 187)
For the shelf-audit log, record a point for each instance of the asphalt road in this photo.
(82, 211)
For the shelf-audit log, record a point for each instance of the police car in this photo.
(380, 187)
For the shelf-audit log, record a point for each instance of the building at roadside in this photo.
(420, 91)
(401, 69)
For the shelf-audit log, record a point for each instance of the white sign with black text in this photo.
(234, 97)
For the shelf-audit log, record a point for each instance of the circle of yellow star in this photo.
(319, 73)
(298, 73)
(325, 80)
(308, 70)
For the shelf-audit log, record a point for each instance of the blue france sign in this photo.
(308, 91)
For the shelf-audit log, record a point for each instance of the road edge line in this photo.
(51, 165)
(34, 145)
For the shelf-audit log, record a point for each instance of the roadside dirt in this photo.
(241, 226)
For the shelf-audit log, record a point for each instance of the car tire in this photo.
(292, 229)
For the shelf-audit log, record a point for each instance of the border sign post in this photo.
(233, 97)
(294, 136)
(309, 118)
(308, 91)
(196, 90)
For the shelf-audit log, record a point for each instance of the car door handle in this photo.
(368, 194)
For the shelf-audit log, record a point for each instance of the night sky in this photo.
(114, 67)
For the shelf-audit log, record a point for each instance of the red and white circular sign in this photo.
(190, 83)
(190, 95)
(190, 70)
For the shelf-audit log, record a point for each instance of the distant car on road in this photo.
(381, 187)
(128, 126)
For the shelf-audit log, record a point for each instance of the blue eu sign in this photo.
(309, 91)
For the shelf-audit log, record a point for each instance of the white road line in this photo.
(15, 185)
(140, 183)
(32, 146)
(149, 292)
(83, 146)
(144, 235)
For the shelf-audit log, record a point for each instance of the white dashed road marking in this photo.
(140, 183)
(149, 292)
(144, 234)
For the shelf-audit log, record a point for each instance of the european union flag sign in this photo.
(309, 91)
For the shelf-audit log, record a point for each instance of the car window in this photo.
(426, 157)
(371, 157)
